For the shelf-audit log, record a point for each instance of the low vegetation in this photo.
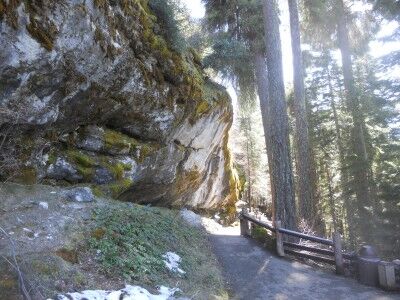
(130, 240)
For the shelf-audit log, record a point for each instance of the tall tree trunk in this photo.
(344, 177)
(261, 73)
(248, 175)
(281, 176)
(360, 165)
(303, 155)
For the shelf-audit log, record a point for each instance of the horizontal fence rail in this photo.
(306, 236)
(258, 222)
(287, 231)
(327, 252)
(334, 257)
(326, 260)
(310, 249)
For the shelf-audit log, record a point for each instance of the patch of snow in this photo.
(128, 293)
(191, 217)
(210, 225)
(44, 205)
(172, 261)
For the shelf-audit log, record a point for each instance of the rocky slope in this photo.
(64, 244)
(92, 94)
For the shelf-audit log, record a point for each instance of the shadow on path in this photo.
(255, 273)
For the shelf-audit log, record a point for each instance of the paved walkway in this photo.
(254, 273)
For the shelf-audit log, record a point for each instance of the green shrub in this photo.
(259, 233)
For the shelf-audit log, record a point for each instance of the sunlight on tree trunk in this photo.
(281, 176)
(303, 162)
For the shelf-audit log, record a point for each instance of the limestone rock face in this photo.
(91, 94)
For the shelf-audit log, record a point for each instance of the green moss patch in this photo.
(202, 108)
(116, 141)
(83, 163)
(229, 209)
(119, 187)
(81, 159)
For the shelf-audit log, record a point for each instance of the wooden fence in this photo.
(334, 256)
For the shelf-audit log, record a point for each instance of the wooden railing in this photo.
(334, 256)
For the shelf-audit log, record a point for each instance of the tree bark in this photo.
(281, 175)
(360, 165)
(261, 73)
(303, 155)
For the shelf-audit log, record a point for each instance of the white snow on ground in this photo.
(44, 205)
(192, 218)
(210, 225)
(172, 261)
(128, 293)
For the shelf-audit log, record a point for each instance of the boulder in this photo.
(80, 194)
(97, 101)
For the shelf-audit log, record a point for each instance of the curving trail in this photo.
(252, 273)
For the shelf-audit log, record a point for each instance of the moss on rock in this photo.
(81, 159)
(27, 175)
(117, 141)
(202, 108)
(187, 181)
(229, 207)
(45, 36)
(83, 163)
(119, 187)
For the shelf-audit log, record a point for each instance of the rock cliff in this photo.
(92, 94)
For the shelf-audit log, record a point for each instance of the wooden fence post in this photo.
(244, 224)
(387, 275)
(337, 246)
(279, 239)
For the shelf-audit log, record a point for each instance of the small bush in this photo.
(259, 233)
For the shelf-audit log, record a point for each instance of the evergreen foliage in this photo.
(168, 15)
(347, 103)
